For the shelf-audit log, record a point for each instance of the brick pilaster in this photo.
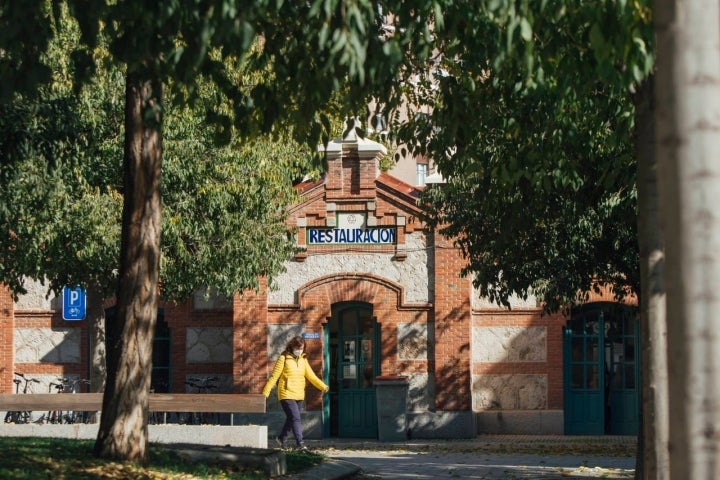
(250, 319)
(178, 317)
(7, 352)
(452, 329)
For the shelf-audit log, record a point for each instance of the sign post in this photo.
(73, 303)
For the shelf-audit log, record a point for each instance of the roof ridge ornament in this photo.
(352, 126)
(353, 139)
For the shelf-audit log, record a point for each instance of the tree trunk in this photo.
(688, 135)
(653, 454)
(97, 364)
(123, 433)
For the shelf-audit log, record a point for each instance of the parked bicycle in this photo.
(66, 386)
(26, 382)
(54, 416)
(201, 385)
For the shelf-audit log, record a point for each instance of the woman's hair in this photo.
(295, 343)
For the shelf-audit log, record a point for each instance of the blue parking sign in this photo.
(73, 303)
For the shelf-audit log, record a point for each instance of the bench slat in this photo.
(207, 402)
(51, 401)
(159, 402)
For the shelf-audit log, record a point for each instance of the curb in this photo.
(330, 469)
(271, 461)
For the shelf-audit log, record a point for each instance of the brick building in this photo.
(375, 293)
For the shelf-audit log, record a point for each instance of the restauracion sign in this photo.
(371, 236)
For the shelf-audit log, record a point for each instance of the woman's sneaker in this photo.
(302, 447)
(280, 442)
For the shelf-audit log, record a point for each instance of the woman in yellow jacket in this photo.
(290, 372)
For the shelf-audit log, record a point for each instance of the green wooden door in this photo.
(584, 395)
(357, 366)
(601, 371)
(623, 338)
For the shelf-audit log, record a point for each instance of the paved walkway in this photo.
(485, 457)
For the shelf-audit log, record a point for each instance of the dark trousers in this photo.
(292, 420)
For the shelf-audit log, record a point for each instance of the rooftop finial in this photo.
(350, 133)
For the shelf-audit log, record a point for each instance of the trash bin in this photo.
(391, 393)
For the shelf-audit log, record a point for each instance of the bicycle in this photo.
(55, 416)
(201, 385)
(21, 416)
(71, 386)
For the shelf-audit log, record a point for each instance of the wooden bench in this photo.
(159, 402)
(182, 404)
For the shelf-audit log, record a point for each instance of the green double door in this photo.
(353, 361)
(601, 359)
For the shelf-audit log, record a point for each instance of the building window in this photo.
(422, 170)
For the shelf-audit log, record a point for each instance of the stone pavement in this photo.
(484, 457)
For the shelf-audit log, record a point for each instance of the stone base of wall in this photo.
(521, 422)
(435, 425)
(311, 423)
(444, 425)
(255, 436)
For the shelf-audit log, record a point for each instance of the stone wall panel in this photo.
(509, 392)
(51, 345)
(509, 344)
(209, 345)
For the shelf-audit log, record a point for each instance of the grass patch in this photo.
(25, 458)
(299, 461)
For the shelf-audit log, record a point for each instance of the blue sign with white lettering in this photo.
(73, 303)
(367, 236)
(311, 335)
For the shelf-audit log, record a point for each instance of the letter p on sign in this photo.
(73, 303)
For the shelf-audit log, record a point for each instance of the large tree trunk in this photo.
(653, 455)
(688, 133)
(123, 431)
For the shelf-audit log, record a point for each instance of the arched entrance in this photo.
(352, 357)
(601, 366)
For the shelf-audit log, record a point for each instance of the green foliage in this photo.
(60, 208)
(299, 461)
(307, 52)
(532, 125)
(607, 41)
(24, 36)
(224, 208)
(59, 204)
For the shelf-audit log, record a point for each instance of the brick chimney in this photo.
(353, 166)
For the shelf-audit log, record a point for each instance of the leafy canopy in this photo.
(61, 185)
(531, 122)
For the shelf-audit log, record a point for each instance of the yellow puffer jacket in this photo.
(290, 373)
